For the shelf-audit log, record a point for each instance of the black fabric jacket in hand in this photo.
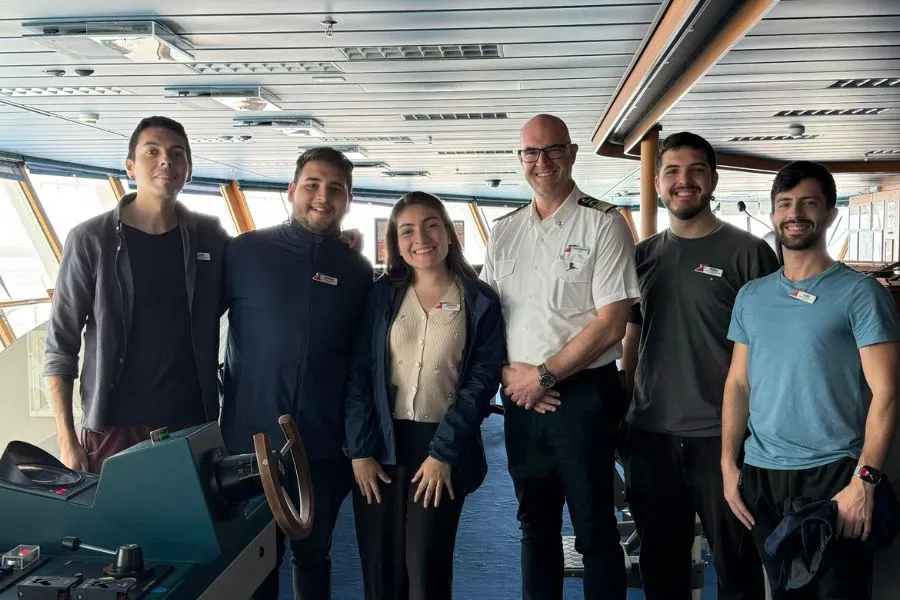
(457, 442)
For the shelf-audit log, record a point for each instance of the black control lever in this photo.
(128, 559)
(74, 543)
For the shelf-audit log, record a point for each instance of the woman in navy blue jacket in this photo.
(426, 366)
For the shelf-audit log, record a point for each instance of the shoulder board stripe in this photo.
(512, 212)
(589, 202)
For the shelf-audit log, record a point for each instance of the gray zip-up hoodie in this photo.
(95, 294)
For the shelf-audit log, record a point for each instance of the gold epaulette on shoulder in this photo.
(511, 213)
(600, 205)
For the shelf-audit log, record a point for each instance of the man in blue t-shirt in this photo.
(814, 376)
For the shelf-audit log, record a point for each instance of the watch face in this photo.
(547, 381)
(869, 475)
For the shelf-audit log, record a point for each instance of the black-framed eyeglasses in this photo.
(530, 155)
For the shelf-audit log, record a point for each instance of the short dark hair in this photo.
(792, 174)
(164, 122)
(333, 157)
(686, 139)
(394, 265)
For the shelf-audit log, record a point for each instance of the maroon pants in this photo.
(100, 446)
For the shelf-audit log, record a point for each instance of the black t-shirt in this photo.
(158, 386)
(688, 288)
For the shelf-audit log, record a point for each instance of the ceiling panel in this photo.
(787, 62)
(46, 9)
(564, 57)
(561, 56)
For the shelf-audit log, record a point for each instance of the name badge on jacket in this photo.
(323, 278)
(708, 270)
(203, 256)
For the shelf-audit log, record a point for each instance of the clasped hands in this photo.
(521, 383)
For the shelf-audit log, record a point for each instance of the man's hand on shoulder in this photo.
(353, 238)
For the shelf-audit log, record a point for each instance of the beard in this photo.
(686, 212)
(804, 242)
(320, 224)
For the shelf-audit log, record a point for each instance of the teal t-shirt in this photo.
(808, 395)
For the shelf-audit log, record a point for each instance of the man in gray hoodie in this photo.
(142, 283)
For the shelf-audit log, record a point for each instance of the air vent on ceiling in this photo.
(222, 139)
(773, 138)
(354, 153)
(62, 91)
(485, 173)
(474, 152)
(406, 174)
(454, 116)
(270, 163)
(452, 51)
(240, 98)
(313, 68)
(869, 82)
(382, 139)
(877, 153)
(293, 126)
(831, 112)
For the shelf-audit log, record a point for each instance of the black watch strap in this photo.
(868, 474)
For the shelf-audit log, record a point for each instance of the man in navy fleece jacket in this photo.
(296, 294)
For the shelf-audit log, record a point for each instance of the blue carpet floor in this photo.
(487, 545)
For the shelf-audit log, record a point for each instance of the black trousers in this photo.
(848, 572)
(568, 457)
(669, 479)
(311, 558)
(407, 550)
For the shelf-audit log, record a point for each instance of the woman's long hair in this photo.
(396, 268)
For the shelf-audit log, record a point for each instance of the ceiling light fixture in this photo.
(137, 41)
(240, 98)
(292, 126)
(405, 174)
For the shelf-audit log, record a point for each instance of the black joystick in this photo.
(128, 559)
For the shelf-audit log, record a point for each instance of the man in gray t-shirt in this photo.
(677, 355)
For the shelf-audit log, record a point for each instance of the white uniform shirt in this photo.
(553, 274)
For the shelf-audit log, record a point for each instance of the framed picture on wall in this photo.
(854, 218)
(865, 216)
(878, 215)
(853, 246)
(890, 216)
(380, 229)
(865, 246)
(877, 248)
(460, 227)
(888, 255)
